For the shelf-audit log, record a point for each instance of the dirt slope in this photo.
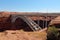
(21, 35)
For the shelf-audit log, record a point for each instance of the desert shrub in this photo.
(52, 33)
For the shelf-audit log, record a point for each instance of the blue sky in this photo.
(30, 5)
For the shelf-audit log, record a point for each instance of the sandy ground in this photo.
(21, 35)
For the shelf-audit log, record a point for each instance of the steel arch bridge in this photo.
(30, 22)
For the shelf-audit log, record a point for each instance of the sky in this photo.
(30, 5)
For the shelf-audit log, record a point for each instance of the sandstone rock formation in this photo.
(5, 21)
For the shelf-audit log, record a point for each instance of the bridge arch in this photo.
(23, 26)
(15, 17)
